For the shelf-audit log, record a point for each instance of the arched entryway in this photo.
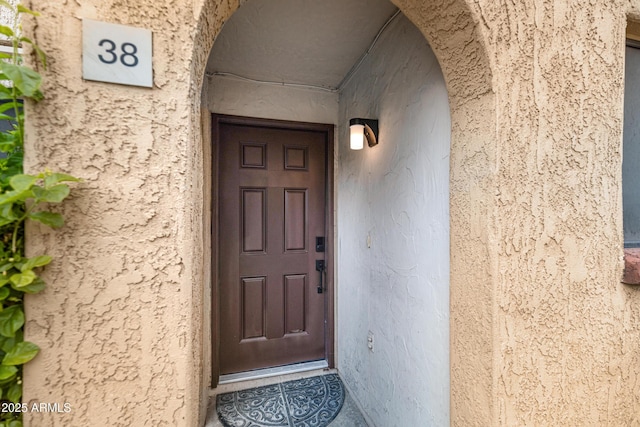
(542, 331)
(457, 43)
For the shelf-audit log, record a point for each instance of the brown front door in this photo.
(272, 190)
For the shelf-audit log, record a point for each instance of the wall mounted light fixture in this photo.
(361, 129)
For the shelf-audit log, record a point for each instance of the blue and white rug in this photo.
(310, 402)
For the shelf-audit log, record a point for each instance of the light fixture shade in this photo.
(362, 129)
(357, 137)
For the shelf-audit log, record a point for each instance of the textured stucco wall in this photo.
(119, 323)
(456, 33)
(558, 329)
(566, 330)
(542, 332)
(397, 194)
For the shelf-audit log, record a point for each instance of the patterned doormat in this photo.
(301, 403)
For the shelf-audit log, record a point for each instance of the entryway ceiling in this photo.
(312, 42)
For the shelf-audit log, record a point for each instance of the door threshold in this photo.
(272, 372)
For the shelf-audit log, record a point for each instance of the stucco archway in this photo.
(457, 41)
(542, 330)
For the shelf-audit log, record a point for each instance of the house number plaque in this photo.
(116, 54)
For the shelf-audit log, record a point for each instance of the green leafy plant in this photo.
(22, 197)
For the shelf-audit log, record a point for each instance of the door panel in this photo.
(295, 220)
(254, 209)
(295, 287)
(272, 188)
(253, 299)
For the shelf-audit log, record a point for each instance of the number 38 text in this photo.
(127, 58)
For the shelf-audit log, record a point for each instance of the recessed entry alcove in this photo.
(321, 63)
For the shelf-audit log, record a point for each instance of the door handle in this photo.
(320, 266)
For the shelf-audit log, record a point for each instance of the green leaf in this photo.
(38, 261)
(54, 194)
(43, 60)
(8, 136)
(26, 40)
(7, 212)
(8, 105)
(14, 163)
(37, 96)
(9, 146)
(6, 266)
(41, 55)
(20, 280)
(5, 384)
(55, 178)
(9, 343)
(15, 423)
(9, 139)
(4, 293)
(26, 80)
(14, 196)
(7, 372)
(52, 219)
(22, 9)
(11, 319)
(21, 353)
(6, 31)
(22, 182)
(35, 287)
(15, 393)
(5, 221)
